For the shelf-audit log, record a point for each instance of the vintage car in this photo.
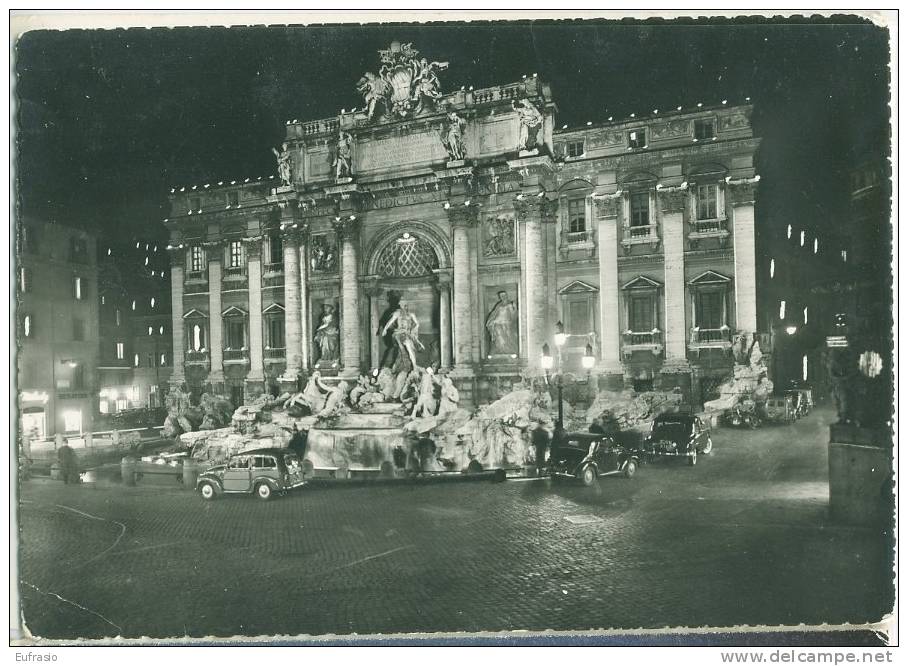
(263, 472)
(587, 456)
(678, 435)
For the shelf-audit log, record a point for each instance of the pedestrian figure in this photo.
(540, 439)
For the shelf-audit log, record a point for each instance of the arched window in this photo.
(407, 256)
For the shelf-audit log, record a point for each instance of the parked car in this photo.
(262, 472)
(678, 435)
(587, 456)
(780, 409)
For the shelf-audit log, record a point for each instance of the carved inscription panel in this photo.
(398, 151)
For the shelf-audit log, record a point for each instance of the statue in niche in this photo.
(501, 237)
(323, 257)
(501, 325)
(390, 354)
(406, 333)
(326, 334)
(425, 401)
(530, 124)
(452, 136)
(343, 156)
(284, 164)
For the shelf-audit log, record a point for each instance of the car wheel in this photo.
(588, 475)
(630, 468)
(208, 491)
(692, 458)
(709, 445)
(263, 491)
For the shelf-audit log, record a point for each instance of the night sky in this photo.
(108, 121)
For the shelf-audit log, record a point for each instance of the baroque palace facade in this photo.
(634, 238)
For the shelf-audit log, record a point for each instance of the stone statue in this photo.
(362, 387)
(450, 397)
(385, 381)
(335, 400)
(501, 240)
(284, 164)
(406, 333)
(326, 335)
(374, 89)
(391, 350)
(501, 325)
(314, 393)
(452, 136)
(425, 401)
(217, 410)
(343, 156)
(530, 124)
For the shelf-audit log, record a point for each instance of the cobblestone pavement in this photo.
(743, 538)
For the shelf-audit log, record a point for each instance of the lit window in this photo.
(804, 367)
(805, 315)
(161, 330)
(121, 351)
(198, 338)
(72, 420)
(782, 310)
(150, 329)
(27, 325)
(133, 305)
(119, 316)
(844, 255)
(816, 245)
(135, 360)
(707, 202)
(152, 301)
(163, 359)
(195, 258)
(575, 149)
(803, 237)
(146, 261)
(772, 268)
(236, 254)
(103, 300)
(108, 252)
(23, 279)
(636, 138)
(789, 231)
(77, 288)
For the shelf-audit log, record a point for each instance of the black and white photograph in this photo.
(457, 329)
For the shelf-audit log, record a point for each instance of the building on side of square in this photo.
(491, 224)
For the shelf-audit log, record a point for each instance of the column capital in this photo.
(253, 247)
(295, 233)
(671, 198)
(346, 227)
(607, 203)
(463, 215)
(177, 254)
(742, 190)
(536, 206)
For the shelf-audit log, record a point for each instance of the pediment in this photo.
(195, 314)
(578, 287)
(234, 311)
(709, 277)
(274, 308)
(642, 282)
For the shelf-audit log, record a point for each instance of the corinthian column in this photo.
(671, 200)
(742, 202)
(533, 211)
(177, 268)
(462, 218)
(256, 355)
(351, 331)
(215, 324)
(607, 215)
(292, 311)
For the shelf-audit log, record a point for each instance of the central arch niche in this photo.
(404, 266)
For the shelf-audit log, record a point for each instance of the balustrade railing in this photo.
(710, 335)
(577, 237)
(235, 354)
(709, 226)
(234, 271)
(274, 267)
(641, 231)
(275, 352)
(197, 356)
(195, 275)
(653, 337)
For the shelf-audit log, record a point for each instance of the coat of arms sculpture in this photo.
(403, 85)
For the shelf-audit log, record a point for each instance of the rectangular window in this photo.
(233, 198)
(576, 215)
(135, 360)
(707, 202)
(79, 377)
(121, 351)
(24, 279)
(236, 333)
(28, 324)
(641, 314)
(709, 309)
(640, 209)
(578, 317)
(636, 138)
(195, 203)
(78, 249)
(78, 329)
(72, 420)
(122, 404)
(163, 359)
(276, 247)
(705, 128)
(575, 149)
(195, 258)
(236, 254)
(276, 332)
(77, 288)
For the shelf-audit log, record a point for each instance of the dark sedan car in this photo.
(587, 456)
(678, 435)
(262, 472)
